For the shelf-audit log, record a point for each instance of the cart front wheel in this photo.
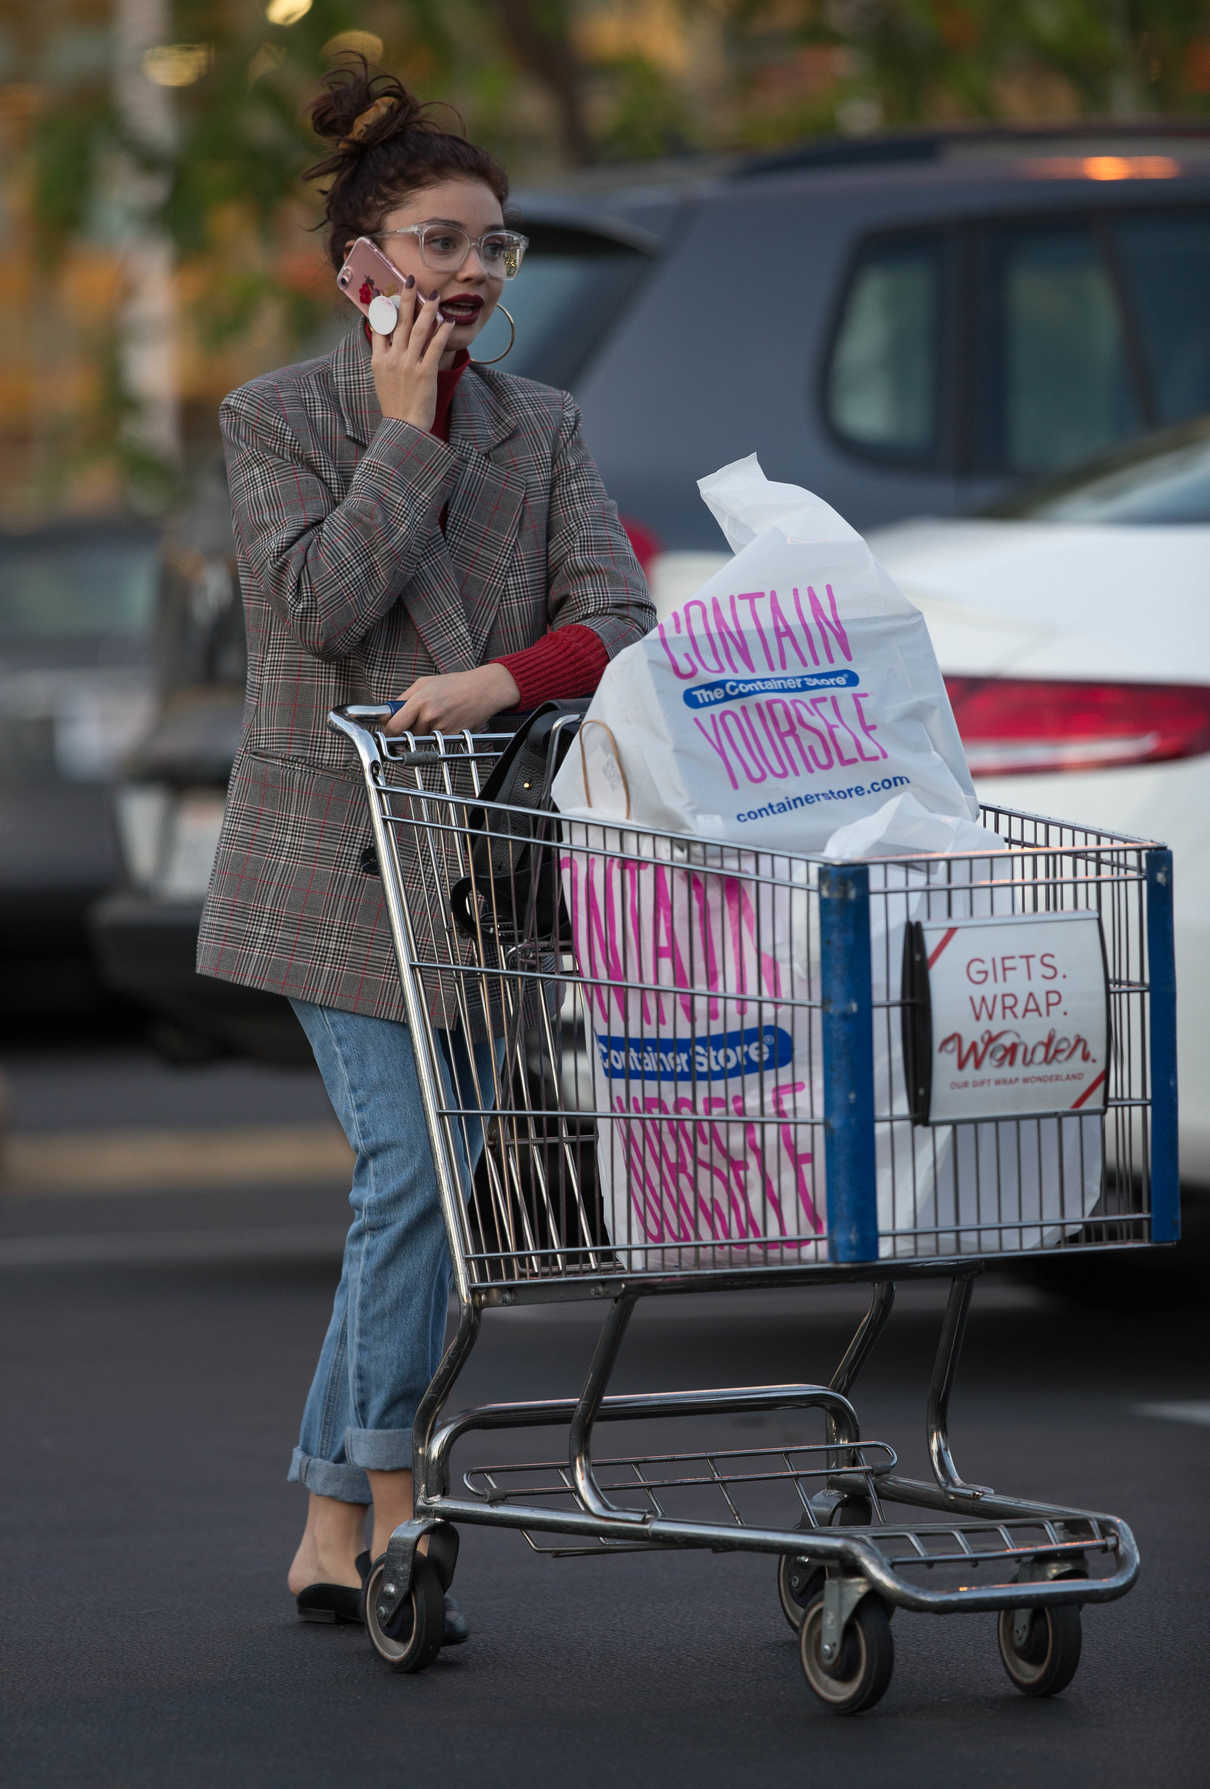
(858, 1676)
(1040, 1647)
(799, 1582)
(415, 1637)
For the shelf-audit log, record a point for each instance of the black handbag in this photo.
(513, 885)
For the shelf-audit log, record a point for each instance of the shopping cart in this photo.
(589, 1189)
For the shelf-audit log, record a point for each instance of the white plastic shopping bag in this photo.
(795, 692)
(694, 984)
(793, 708)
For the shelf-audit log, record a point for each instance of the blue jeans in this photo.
(387, 1330)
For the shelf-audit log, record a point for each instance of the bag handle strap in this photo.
(617, 758)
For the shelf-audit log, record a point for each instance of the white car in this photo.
(1073, 628)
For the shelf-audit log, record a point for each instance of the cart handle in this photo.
(497, 726)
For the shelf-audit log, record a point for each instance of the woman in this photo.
(408, 522)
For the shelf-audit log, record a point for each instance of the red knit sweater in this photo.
(566, 661)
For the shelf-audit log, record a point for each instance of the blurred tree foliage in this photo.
(924, 59)
(547, 87)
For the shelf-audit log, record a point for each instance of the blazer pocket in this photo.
(303, 768)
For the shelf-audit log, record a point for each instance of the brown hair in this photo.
(386, 146)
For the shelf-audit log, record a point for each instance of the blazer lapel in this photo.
(455, 593)
(485, 507)
(354, 381)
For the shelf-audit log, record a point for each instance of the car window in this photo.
(1166, 262)
(883, 374)
(1170, 484)
(77, 589)
(1055, 384)
(571, 286)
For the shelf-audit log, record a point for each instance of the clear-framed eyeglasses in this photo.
(444, 248)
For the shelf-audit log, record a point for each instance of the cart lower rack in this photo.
(715, 1069)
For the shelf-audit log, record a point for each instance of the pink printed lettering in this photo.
(783, 633)
(829, 624)
(868, 727)
(820, 705)
(715, 744)
(716, 664)
(752, 598)
(685, 676)
(801, 1159)
(665, 946)
(733, 644)
(731, 728)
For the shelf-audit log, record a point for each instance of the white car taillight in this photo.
(1012, 726)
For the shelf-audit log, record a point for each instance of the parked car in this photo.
(77, 610)
(1074, 629)
(906, 325)
(1082, 300)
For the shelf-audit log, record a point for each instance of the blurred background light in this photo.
(176, 64)
(1105, 167)
(364, 42)
(287, 12)
(268, 57)
(1130, 167)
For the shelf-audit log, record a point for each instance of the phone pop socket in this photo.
(383, 314)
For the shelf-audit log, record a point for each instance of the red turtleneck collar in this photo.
(447, 382)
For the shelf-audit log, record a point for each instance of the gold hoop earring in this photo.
(512, 336)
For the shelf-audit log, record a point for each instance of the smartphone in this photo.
(367, 275)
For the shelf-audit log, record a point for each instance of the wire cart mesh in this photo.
(710, 1070)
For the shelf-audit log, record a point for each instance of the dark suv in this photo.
(902, 325)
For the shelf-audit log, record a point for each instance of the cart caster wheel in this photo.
(1040, 1647)
(416, 1639)
(859, 1675)
(841, 1509)
(852, 1512)
(799, 1582)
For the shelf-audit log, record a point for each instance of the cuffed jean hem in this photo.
(380, 1450)
(348, 1484)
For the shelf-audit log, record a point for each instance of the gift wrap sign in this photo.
(1006, 1018)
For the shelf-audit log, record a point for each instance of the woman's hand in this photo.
(455, 700)
(405, 363)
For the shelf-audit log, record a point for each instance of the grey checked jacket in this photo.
(352, 589)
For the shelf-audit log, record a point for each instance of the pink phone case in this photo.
(367, 274)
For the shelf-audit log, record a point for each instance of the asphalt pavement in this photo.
(157, 1331)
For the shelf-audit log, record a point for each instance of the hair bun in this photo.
(385, 106)
(357, 110)
(383, 145)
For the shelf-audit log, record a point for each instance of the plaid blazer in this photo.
(352, 588)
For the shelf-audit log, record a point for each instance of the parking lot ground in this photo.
(150, 1639)
(156, 1341)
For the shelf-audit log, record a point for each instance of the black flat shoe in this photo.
(331, 1602)
(455, 1630)
(335, 1602)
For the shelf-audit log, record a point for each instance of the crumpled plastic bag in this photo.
(791, 709)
